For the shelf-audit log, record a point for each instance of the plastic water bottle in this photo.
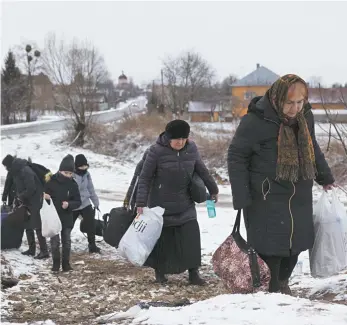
(211, 207)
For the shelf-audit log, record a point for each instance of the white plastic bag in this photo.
(51, 224)
(142, 235)
(339, 210)
(328, 255)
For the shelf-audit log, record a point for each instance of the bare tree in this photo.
(227, 83)
(186, 77)
(315, 81)
(196, 73)
(76, 68)
(340, 160)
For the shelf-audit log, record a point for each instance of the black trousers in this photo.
(65, 237)
(31, 240)
(88, 215)
(281, 268)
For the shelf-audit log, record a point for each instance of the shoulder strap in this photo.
(133, 192)
(237, 224)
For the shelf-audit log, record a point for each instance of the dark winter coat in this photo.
(165, 178)
(278, 214)
(62, 189)
(9, 192)
(29, 190)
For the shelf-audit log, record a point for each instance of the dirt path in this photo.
(97, 287)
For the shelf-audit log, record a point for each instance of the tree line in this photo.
(187, 77)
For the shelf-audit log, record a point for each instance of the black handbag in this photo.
(18, 216)
(98, 224)
(197, 189)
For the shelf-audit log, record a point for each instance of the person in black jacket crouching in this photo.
(29, 191)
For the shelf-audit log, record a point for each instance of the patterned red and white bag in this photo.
(238, 265)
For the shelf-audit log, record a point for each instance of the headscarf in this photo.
(296, 156)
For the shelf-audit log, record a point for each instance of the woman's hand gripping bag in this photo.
(142, 235)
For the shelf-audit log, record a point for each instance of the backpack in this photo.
(43, 173)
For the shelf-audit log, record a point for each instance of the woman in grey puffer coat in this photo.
(88, 195)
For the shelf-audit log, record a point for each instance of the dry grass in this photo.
(213, 150)
(123, 138)
(337, 159)
(149, 126)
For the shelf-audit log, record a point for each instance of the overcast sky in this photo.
(307, 38)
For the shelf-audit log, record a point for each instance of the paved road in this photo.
(104, 117)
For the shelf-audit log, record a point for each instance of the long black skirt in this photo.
(177, 250)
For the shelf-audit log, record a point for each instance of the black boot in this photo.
(65, 263)
(284, 287)
(43, 246)
(92, 246)
(66, 266)
(195, 279)
(160, 277)
(41, 256)
(56, 265)
(94, 249)
(31, 243)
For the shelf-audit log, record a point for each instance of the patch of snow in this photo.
(260, 308)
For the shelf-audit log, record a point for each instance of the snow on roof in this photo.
(199, 107)
(262, 76)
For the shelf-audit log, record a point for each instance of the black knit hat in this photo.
(7, 161)
(177, 129)
(67, 164)
(80, 160)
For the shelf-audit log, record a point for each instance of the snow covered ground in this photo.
(111, 178)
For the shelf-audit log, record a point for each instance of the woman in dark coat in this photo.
(164, 181)
(273, 160)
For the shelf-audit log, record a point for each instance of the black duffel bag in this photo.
(98, 224)
(11, 232)
(117, 223)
